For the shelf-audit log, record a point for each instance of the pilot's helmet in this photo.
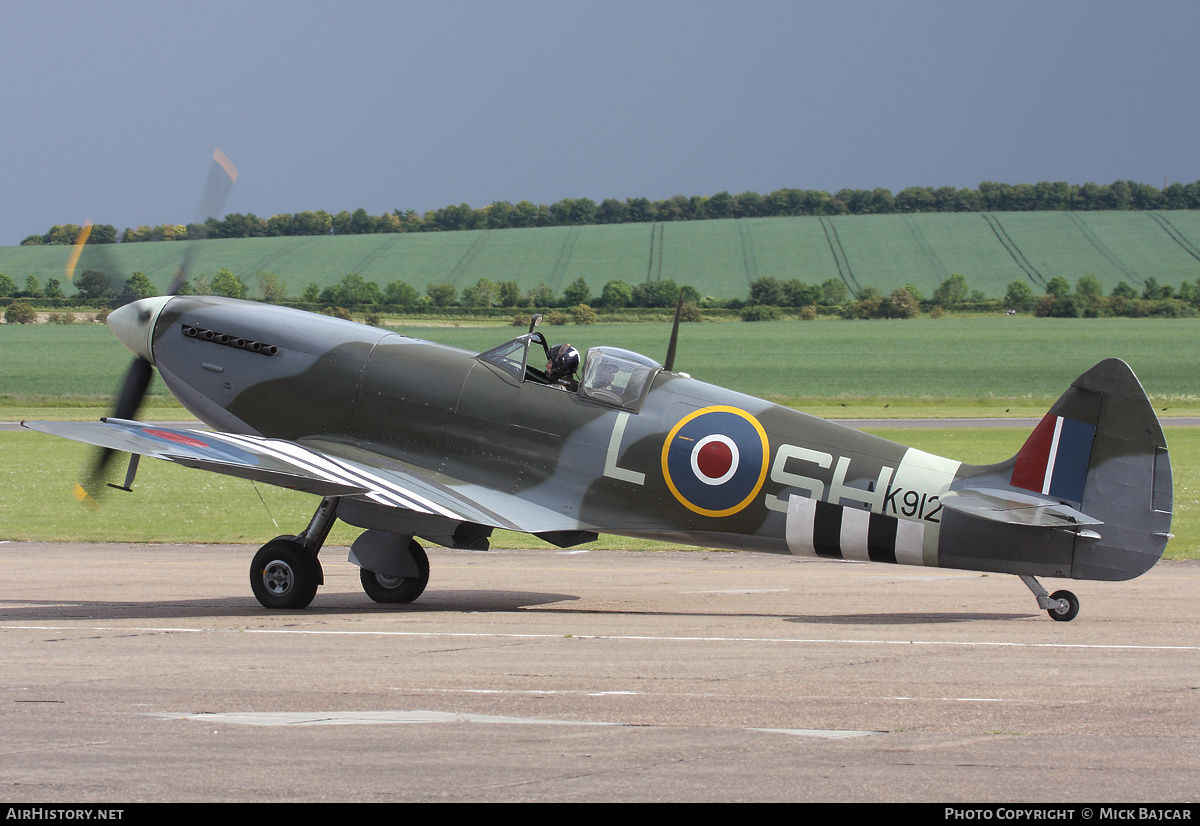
(562, 363)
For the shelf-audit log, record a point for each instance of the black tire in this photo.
(1070, 612)
(284, 575)
(398, 588)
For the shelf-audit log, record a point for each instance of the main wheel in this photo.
(383, 588)
(1064, 614)
(284, 575)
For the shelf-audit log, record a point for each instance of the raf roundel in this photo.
(715, 460)
(203, 445)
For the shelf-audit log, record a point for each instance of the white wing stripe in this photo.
(315, 463)
(333, 467)
(416, 497)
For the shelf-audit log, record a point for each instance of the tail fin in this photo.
(1128, 484)
(1099, 459)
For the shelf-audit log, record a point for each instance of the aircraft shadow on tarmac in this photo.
(434, 602)
(441, 602)
(922, 618)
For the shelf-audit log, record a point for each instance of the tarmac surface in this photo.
(149, 673)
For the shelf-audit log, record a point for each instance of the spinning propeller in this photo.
(133, 388)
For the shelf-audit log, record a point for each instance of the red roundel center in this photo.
(176, 437)
(714, 459)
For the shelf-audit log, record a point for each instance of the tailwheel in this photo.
(382, 588)
(1062, 606)
(284, 574)
(1067, 608)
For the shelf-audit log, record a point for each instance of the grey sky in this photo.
(112, 110)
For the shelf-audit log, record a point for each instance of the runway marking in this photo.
(613, 637)
(359, 718)
(825, 734)
(535, 692)
(973, 700)
(743, 591)
(544, 692)
(375, 718)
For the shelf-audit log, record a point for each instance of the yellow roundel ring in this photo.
(714, 460)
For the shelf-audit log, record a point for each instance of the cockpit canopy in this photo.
(611, 376)
(618, 377)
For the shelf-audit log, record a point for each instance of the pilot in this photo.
(561, 364)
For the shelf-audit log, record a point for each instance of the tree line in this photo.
(768, 298)
(1086, 300)
(987, 197)
(98, 289)
(356, 292)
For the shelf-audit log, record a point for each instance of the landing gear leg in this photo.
(1062, 606)
(313, 537)
(285, 572)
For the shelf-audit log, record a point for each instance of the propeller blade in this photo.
(129, 400)
(221, 177)
(137, 380)
(133, 389)
(94, 258)
(77, 248)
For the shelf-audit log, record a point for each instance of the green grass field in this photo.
(983, 366)
(718, 258)
(982, 359)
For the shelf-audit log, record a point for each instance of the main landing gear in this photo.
(383, 588)
(1062, 606)
(286, 573)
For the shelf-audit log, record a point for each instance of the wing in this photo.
(323, 468)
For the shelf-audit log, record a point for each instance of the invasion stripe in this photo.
(400, 494)
(416, 497)
(312, 461)
(828, 531)
(881, 538)
(306, 460)
(856, 534)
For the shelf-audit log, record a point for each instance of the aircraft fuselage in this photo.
(694, 460)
